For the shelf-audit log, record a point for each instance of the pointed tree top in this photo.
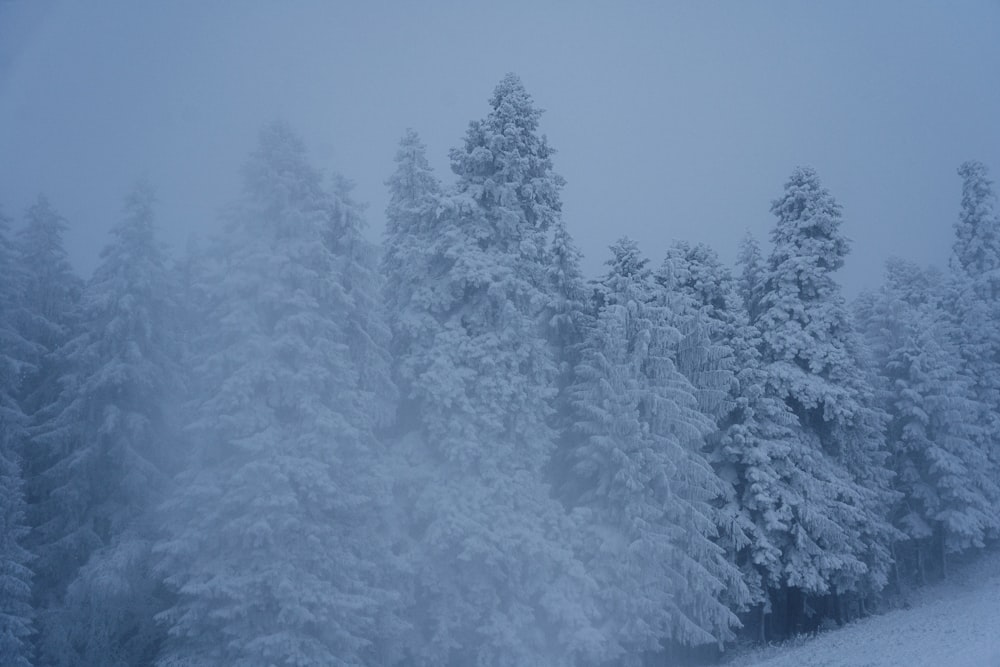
(141, 197)
(510, 88)
(978, 197)
(412, 185)
(972, 170)
(506, 166)
(749, 251)
(279, 169)
(136, 224)
(977, 230)
(411, 139)
(627, 259)
(804, 197)
(412, 153)
(804, 174)
(43, 221)
(279, 146)
(694, 266)
(511, 102)
(809, 219)
(42, 209)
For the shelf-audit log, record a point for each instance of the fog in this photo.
(459, 352)
(670, 122)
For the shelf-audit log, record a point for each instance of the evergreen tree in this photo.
(750, 283)
(638, 470)
(108, 440)
(409, 259)
(15, 577)
(974, 302)
(193, 302)
(935, 433)
(690, 288)
(275, 546)
(814, 361)
(790, 523)
(567, 317)
(977, 231)
(497, 583)
(50, 291)
(46, 319)
(368, 336)
(568, 313)
(782, 516)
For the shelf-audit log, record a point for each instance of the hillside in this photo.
(954, 623)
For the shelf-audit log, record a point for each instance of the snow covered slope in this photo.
(954, 624)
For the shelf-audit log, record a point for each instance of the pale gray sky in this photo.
(672, 120)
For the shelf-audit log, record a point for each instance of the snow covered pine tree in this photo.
(639, 473)
(813, 361)
(110, 432)
(276, 548)
(496, 580)
(15, 577)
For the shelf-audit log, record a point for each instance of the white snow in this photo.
(952, 624)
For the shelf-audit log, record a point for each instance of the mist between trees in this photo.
(292, 447)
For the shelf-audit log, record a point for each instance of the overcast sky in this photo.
(671, 120)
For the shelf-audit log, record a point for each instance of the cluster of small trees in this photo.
(293, 449)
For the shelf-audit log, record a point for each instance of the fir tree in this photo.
(275, 546)
(15, 577)
(50, 291)
(790, 522)
(567, 317)
(935, 433)
(409, 258)
(47, 318)
(497, 583)
(976, 251)
(110, 438)
(974, 302)
(568, 313)
(750, 282)
(814, 361)
(638, 470)
(690, 288)
(785, 514)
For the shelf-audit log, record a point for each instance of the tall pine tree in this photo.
(497, 581)
(936, 434)
(110, 437)
(410, 257)
(750, 282)
(15, 577)
(47, 319)
(974, 303)
(814, 363)
(568, 314)
(275, 547)
(50, 292)
(639, 473)
(782, 515)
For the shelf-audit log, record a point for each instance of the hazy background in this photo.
(672, 120)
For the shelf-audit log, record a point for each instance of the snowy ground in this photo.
(954, 624)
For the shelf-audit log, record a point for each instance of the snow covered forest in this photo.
(291, 446)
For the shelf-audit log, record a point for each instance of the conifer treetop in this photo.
(977, 230)
(809, 222)
(506, 166)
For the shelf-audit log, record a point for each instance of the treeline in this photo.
(292, 447)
